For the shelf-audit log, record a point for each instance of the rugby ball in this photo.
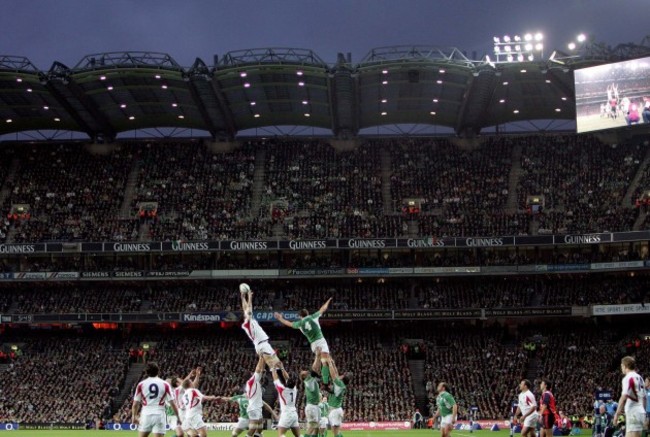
(244, 288)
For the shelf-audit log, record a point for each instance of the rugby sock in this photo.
(326, 374)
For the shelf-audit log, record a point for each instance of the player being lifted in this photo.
(242, 403)
(335, 401)
(527, 407)
(447, 410)
(309, 326)
(254, 331)
(287, 396)
(151, 396)
(312, 395)
(255, 402)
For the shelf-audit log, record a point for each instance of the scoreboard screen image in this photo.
(612, 95)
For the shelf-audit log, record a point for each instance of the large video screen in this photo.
(613, 95)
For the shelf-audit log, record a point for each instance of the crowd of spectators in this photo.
(200, 195)
(368, 294)
(311, 190)
(326, 193)
(583, 182)
(68, 378)
(72, 194)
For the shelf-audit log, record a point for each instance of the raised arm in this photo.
(274, 373)
(268, 408)
(316, 365)
(197, 377)
(282, 320)
(260, 365)
(250, 301)
(244, 303)
(334, 372)
(325, 306)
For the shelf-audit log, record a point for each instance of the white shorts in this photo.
(242, 423)
(255, 414)
(336, 416)
(322, 344)
(323, 423)
(194, 422)
(531, 420)
(288, 420)
(312, 413)
(446, 420)
(264, 349)
(634, 420)
(155, 423)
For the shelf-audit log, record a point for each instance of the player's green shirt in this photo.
(324, 409)
(445, 402)
(169, 411)
(310, 327)
(242, 402)
(338, 391)
(312, 390)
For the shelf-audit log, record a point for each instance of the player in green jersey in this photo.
(310, 379)
(309, 326)
(324, 412)
(447, 410)
(335, 400)
(242, 403)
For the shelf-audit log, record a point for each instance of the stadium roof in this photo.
(108, 93)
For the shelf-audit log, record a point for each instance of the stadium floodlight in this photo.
(582, 37)
(571, 45)
(518, 48)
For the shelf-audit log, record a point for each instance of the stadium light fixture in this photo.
(181, 117)
(57, 119)
(174, 105)
(18, 79)
(384, 113)
(518, 48)
(253, 103)
(157, 76)
(439, 82)
(516, 111)
(247, 85)
(582, 37)
(110, 88)
(102, 77)
(441, 71)
(502, 101)
(384, 100)
(29, 90)
(46, 107)
(432, 112)
(123, 105)
(384, 71)
(305, 102)
(256, 115)
(243, 74)
(299, 73)
(164, 87)
(435, 100)
(307, 114)
(571, 45)
(132, 118)
(558, 110)
(385, 82)
(301, 83)
(9, 120)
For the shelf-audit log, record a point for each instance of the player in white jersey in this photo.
(151, 397)
(255, 403)
(527, 407)
(287, 396)
(255, 332)
(193, 404)
(177, 389)
(633, 399)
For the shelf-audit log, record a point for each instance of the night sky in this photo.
(66, 30)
